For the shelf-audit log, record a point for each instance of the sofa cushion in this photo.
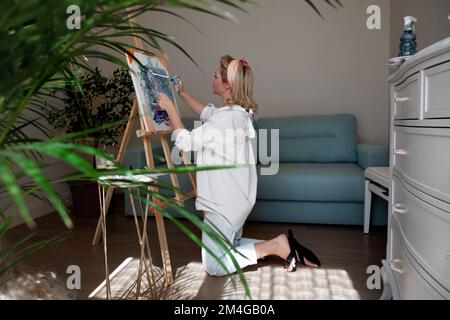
(339, 182)
(315, 139)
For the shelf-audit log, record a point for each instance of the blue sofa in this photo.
(321, 172)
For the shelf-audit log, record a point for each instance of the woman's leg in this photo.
(252, 249)
(278, 246)
(211, 265)
(240, 241)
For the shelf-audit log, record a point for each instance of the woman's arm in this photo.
(195, 105)
(185, 140)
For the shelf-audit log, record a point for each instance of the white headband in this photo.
(233, 68)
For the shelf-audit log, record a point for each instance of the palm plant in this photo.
(40, 54)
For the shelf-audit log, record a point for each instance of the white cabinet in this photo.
(411, 286)
(422, 156)
(407, 98)
(437, 91)
(423, 226)
(418, 252)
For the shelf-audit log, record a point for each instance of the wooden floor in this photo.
(339, 247)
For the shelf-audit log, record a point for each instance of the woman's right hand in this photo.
(180, 87)
(165, 103)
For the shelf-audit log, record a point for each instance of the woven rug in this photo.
(269, 282)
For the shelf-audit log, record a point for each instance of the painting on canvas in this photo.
(149, 79)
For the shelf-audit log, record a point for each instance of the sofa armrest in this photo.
(372, 156)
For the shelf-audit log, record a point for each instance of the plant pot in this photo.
(85, 199)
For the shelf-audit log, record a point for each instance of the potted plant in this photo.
(92, 102)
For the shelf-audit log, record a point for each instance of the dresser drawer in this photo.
(411, 285)
(426, 230)
(437, 92)
(407, 99)
(422, 156)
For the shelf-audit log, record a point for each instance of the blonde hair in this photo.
(242, 84)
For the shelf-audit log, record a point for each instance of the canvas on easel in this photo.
(150, 77)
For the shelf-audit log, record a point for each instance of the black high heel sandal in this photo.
(292, 255)
(302, 252)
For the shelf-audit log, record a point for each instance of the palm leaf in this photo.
(8, 264)
(34, 171)
(8, 180)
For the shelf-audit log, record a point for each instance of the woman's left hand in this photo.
(165, 103)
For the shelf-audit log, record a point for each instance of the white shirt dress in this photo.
(225, 138)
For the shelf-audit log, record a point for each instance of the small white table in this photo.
(378, 180)
(132, 184)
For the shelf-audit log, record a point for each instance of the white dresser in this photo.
(417, 264)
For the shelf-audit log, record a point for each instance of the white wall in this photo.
(302, 64)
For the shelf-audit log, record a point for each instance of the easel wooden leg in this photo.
(159, 218)
(170, 165)
(164, 247)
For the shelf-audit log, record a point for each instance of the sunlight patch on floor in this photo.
(188, 279)
(266, 283)
(274, 283)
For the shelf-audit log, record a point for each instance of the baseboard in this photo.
(38, 208)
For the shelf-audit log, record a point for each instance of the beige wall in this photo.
(302, 64)
(432, 25)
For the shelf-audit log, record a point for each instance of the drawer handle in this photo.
(448, 257)
(396, 269)
(399, 208)
(400, 152)
(402, 100)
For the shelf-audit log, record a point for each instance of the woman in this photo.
(227, 196)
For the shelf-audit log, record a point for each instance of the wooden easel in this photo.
(146, 132)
